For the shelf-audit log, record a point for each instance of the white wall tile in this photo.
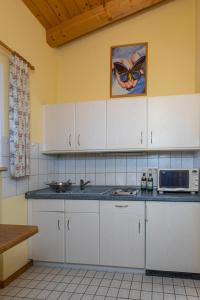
(42, 180)
(187, 162)
(70, 165)
(50, 166)
(110, 178)
(9, 187)
(100, 178)
(72, 177)
(42, 166)
(80, 165)
(120, 178)
(176, 162)
(100, 165)
(34, 150)
(164, 162)
(120, 164)
(131, 179)
(141, 164)
(90, 165)
(34, 166)
(61, 166)
(33, 183)
(90, 177)
(131, 164)
(110, 164)
(5, 146)
(22, 185)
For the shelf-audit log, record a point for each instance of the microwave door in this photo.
(174, 179)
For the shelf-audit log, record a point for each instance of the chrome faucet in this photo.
(83, 184)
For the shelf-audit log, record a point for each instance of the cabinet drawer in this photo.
(82, 206)
(47, 205)
(122, 206)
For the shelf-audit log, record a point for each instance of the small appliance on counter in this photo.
(178, 180)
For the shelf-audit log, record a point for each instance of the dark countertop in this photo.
(104, 193)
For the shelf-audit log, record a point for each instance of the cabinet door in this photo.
(126, 124)
(173, 121)
(48, 244)
(172, 237)
(59, 127)
(122, 234)
(91, 125)
(82, 238)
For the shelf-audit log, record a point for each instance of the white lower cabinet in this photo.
(82, 231)
(173, 236)
(48, 243)
(122, 239)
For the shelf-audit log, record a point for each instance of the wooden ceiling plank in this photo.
(37, 13)
(72, 7)
(83, 5)
(96, 18)
(59, 9)
(47, 11)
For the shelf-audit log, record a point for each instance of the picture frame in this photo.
(128, 70)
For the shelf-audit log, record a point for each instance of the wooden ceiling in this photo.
(65, 20)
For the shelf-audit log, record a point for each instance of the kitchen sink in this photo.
(90, 190)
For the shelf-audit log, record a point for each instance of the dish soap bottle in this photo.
(143, 182)
(150, 183)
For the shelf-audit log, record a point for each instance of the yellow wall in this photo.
(84, 65)
(198, 46)
(21, 31)
(14, 211)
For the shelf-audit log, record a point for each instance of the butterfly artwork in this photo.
(129, 67)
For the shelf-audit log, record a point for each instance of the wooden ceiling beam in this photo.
(94, 19)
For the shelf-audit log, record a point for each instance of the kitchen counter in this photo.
(104, 193)
(11, 235)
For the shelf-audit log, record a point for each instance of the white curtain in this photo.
(19, 118)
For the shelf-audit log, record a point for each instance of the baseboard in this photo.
(4, 283)
(173, 274)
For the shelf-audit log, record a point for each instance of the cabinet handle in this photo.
(79, 140)
(141, 137)
(58, 224)
(68, 224)
(70, 143)
(139, 226)
(151, 137)
(120, 206)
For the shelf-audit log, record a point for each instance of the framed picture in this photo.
(128, 70)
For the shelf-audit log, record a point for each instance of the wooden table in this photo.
(11, 235)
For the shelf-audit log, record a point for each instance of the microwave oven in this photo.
(178, 180)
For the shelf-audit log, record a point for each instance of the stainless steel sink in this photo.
(90, 190)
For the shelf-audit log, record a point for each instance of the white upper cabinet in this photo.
(127, 123)
(59, 127)
(173, 121)
(91, 125)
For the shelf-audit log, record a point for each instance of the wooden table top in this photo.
(11, 235)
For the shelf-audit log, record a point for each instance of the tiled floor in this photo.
(57, 283)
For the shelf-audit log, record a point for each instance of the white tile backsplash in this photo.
(99, 169)
(120, 164)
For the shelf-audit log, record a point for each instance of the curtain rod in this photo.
(16, 53)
